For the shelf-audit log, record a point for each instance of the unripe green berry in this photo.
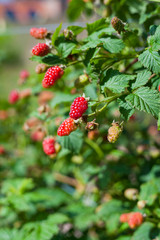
(114, 132)
(131, 193)
(82, 81)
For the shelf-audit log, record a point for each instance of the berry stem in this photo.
(107, 101)
(95, 147)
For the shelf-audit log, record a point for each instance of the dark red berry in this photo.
(41, 49)
(49, 145)
(78, 107)
(51, 76)
(67, 127)
(39, 33)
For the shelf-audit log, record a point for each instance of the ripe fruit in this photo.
(78, 107)
(114, 132)
(117, 24)
(49, 145)
(38, 135)
(67, 127)
(41, 49)
(13, 96)
(2, 150)
(51, 76)
(135, 220)
(39, 33)
(159, 88)
(124, 217)
(24, 74)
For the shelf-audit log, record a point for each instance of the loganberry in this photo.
(78, 107)
(39, 33)
(49, 145)
(41, 49)
(51, 76)
(67, 127)
(13, 96)
(135, 220)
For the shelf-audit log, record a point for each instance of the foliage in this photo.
(81, 192)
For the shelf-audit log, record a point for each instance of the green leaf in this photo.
(145, 99)
(75, 8)
(113, 45)
(149, 191)
(151, 60)
(61, 98)
(56, 33)
(7, 234)
(125, 109)
(64, 47)
(97, 25)
(142, 79)
(49, 59)
(76, 29)
(116, 81)
(143, 232)
(90, 44)
(72, 142)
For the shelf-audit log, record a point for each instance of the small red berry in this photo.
(49, 145)
(2, 150)
(24, 74)
(39, 33)
(78, 107)
(159, 88)
(41, 49)
(51, 76)
(67, 127)
(38, 135)
(135, 220)
(124, 217)
(13, 96)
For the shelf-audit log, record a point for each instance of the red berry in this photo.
(159, 88)
(49, 145)
(51, 76)
(67, 127)
(78, 107)
(135, 220)
(39, 33)
(124, 217)
(2, 150)
(41, 49)
(24, 74)
(13, 96)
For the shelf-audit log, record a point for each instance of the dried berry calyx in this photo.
(114, 132)
(117, 24)
(91, 125)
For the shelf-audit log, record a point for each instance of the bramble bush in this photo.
(79, 142)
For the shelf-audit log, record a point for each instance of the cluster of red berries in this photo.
(134, 219)
(78, 108)
(39, 33)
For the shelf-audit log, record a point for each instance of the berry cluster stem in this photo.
(106, 101)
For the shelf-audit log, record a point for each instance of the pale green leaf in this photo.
(113, 45)
(56, 33)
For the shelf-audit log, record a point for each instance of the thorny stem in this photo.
(73, 63)
(107, 101)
